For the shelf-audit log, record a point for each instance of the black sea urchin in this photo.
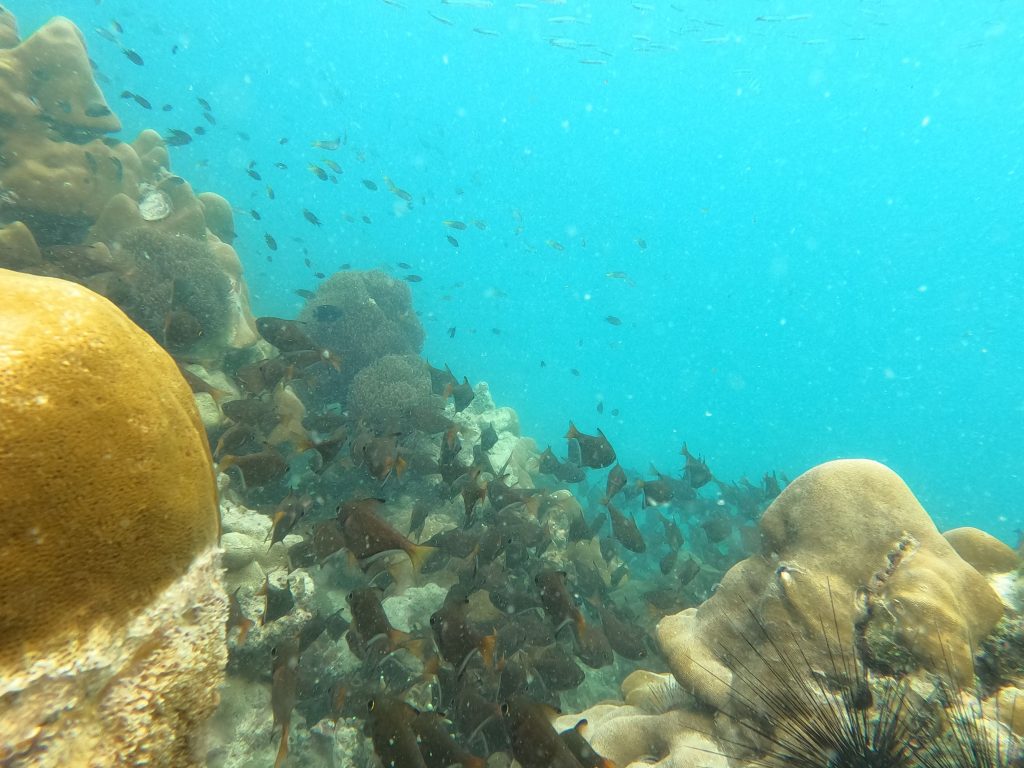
(808, 718)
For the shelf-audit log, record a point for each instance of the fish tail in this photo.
(282, 750)
(400, 466)
(487, 646)
(419, 554)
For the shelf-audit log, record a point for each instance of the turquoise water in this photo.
(830, 202)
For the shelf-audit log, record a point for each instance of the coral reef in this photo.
(853, 579)
(111, 608)
(77, 204)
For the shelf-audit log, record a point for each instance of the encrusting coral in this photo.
(70, 196)
(111, 608)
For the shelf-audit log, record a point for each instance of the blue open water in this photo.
(819, 208)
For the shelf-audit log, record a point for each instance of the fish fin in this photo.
(282, 750)
(573, 433)
(400, 466)
(487, 646)
(419, 554)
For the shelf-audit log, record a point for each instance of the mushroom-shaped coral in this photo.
(111, 607)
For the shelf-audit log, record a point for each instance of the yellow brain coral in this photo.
(107, 502)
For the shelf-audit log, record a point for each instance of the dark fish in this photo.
(615, 483)
(279, 601)
(585, 755)
(574, 371)
(642, 243)
(317, 171)
(593, 648)
(368, 535)
(106, 34)
(101, 110)
(281, 166)
(453, 242)
(595, 451)
(325, 313)
(613, 320)
(181, 330)
(328, 144)
(668, 561)
(451, 332)
(488, 437)
(657, 493)
(457, 638)
(133, 57)
(257, 469)
(548, 462)
(291, 509)
(770, 486)
(381, 456)
(438, 748)
(200, 131)
(210, 118)
(453, 224)
(371, 634)
(600, 406)
(717, 528)
(177, 138)
(234, 439)
(310, 217)
(271, 195)
(370, 185)
(413, 279)
(556, 599)
(204, 104)
(253, 173)
(237, 618)
(556, 668)
(535, 743)
(697, 471)
(251, 411)
(255, 214)
(286, 335)
(166, 108)
(394, 740)
(142, 101)
(366, 219)
(688, 571)
(625, 637)
(118, 168)
(270, 241)
(673, 536)
(284, 692)
(625, 531)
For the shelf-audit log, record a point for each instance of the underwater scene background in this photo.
(538, 384)
(829, 198)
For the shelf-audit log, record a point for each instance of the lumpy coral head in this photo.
(848, 552)
(106, 490)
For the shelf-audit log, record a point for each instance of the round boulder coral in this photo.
(111, 606)
(394, 387)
